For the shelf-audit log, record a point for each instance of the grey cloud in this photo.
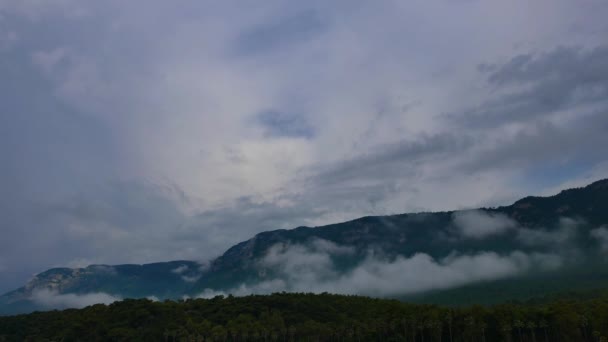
(283, 32)
(545, 144)
(281, 124)
(394, 160)
(479, 224)
(564, 78)
(563, 63)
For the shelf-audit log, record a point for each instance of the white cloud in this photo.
(180, 269)
(601, 235)
(54, 300)
(186, 273)
(480, 224)
(191, 278)
(302, 268)
(565, 232)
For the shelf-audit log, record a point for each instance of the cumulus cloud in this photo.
(51, 299)
(304, 268)
(480, 224)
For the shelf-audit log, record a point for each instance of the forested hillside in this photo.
(311, 317)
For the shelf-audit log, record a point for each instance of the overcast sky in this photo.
(141, 131)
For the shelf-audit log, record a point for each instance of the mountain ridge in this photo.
(435, 234)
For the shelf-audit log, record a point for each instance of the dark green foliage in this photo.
(309, 317)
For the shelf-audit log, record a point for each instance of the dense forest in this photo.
(315, 317)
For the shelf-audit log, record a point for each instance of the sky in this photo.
(135, 132)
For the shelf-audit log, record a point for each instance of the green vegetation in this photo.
(309, 317)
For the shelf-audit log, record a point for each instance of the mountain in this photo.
(536, 246)
(157, 280)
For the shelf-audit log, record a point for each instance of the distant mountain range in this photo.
(536, 246)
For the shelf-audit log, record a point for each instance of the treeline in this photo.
(309, 317)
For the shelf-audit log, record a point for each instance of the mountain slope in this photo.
(161, 280)
(432, 233)
(508, 250)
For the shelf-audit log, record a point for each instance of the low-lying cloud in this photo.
(52, 299)
(306, 268)
(601, 235)
(479, 224)
(187, 275)
(180, 269)
(566, 231)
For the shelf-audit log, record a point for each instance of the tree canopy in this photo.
(314, 317)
